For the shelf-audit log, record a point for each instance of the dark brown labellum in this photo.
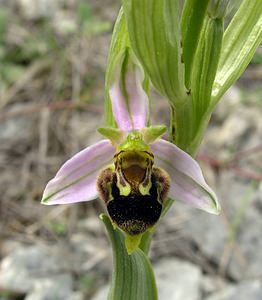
(134, 213)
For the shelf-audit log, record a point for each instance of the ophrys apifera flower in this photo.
(134, 170)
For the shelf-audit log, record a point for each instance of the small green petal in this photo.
(115, 135)
(150, 134)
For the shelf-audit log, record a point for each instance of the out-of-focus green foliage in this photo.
(3, 23)
(89, 24)
(57, 227)
(47, 48)
(257, 58)
(84, 12)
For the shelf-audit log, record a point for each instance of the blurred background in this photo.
(52, 63)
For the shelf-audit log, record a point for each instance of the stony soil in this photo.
(50, 109)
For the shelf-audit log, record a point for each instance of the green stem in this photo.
(146, 242)
(133, 277)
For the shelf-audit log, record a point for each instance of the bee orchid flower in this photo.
(133, 170)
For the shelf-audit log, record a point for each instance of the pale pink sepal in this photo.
(187, 181)
(76, 179)
(130, 107)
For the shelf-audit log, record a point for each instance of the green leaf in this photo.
(203, 75)
(241, 39)
(193, 15)
(217, 66)
(133, 277)
(205, 64)
(154, 31)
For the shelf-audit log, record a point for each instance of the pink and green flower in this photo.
(79, 179)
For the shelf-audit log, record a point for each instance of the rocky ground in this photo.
(51, 104)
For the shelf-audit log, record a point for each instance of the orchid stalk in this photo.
(133, 170)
